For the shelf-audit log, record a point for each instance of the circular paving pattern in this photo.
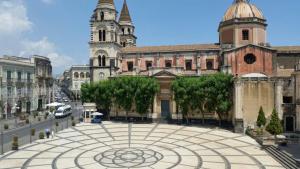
(145, 146)
(129, 158)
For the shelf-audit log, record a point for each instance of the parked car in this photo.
(96, 119)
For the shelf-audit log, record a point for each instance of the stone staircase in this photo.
(283, 158)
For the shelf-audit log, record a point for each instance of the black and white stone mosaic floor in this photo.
(144, 146)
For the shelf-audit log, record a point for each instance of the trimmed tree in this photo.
(145, 93)
(124, 92)
(219, 94)
(181, 97)
(88, 92)
(104, 95)
(274, 127)
(261, 119)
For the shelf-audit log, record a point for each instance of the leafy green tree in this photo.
(145, 93)
(181, 95)
(104, 95)
(124, 92)
(88, 92)
(274, 127)
(261, 119)
(219, 94)
(211, 93)
(198, 96)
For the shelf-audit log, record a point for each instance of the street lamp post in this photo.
(2, 149)
(30, 131)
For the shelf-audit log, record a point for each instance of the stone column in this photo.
(155, 113)
(298, 118)
(199, 64)
(238, 117)
(278, 98)
(297, 96)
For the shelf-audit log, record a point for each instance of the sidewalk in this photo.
(15, 122)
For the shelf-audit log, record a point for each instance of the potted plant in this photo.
(6, 126)
(32, 132)
(41, 135)
(274, 127)
(15, 144)
(35, 114)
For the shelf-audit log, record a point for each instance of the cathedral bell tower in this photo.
(105, 41)
(127, 27)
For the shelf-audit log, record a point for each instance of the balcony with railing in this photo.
(8, 81)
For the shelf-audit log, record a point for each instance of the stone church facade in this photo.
(265, 75)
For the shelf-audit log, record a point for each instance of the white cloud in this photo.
(46, 48)
(14, 24)
(13, 17)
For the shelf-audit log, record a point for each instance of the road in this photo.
(24, 133)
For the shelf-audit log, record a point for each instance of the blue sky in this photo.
(60, 28)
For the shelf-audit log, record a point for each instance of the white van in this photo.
(63, 111)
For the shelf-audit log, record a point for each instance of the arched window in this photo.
(245, 34)
(102, 16)
(101, 75)
(188, 64)
(103, 61)
(250, 59)
(168, 64)
(87, 75)
(129, 31)
(81, 75)
(209, 65)
(148, 64)
(100, 35)
(76, 75)
(99, 60)
(104, 35)
(123, 31)
(130, 66)
(91, 62)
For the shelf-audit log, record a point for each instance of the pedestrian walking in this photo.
(52, 134)
(47, 133)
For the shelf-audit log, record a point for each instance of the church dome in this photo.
(242, 9)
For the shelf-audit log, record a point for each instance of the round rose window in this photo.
(250, 59)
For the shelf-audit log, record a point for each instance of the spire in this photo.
(237, 1)
(125, 16)
(106, 2)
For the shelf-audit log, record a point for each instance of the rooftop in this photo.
(171, 48)
(287, 49)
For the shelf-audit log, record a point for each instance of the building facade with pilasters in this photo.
(265, 76)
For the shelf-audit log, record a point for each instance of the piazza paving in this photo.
(145, 146)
